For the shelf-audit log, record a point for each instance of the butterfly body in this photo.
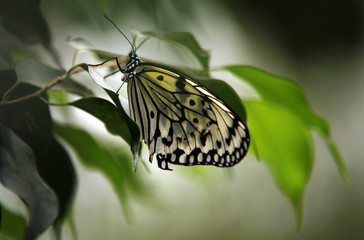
(181, 121)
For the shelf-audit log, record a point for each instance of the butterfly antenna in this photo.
(132, 46)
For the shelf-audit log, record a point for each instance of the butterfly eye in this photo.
(130, 56)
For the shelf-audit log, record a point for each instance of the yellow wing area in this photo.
(182, 122)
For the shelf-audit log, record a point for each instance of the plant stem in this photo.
(72, 71)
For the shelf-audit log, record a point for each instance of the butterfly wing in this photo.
(182, 122)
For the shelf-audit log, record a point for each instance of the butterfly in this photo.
(181, 121)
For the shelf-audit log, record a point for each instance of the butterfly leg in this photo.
(100, 64)
(125, 77)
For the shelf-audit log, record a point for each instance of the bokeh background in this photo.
(319, 44)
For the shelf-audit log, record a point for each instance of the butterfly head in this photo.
(132, 61)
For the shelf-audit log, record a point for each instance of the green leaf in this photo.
(106, 112)
(115, 165)
(134, 133)
(186, 40)
(31, 71)
(287, 94)
(280, 123)
(280, 91)
(18, 172)
(284, 143)
(12, 225)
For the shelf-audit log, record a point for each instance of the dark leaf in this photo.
(132, 126)
(7, 80)
(106, 112)
(18, 172)
(59, 173)
(24, 19)
(32, 122)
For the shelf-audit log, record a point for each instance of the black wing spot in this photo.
(218, 143)
(192, 102)
(160, 78)
(203, 136)
(157, 133)
(178, 152)
(204, 112)
(181, 83)
(167, 142)
(195, 120)
(151, 114)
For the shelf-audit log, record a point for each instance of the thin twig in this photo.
(44, 89)
(35, 94)
(75, 69)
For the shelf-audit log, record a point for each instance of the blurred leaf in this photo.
(186, 40)
(32, 122)
(103, 55)
(280, 124)
(18, 53)
(116, 166)
(284, 143)
(5, 58)
(106, 112)
(31, 71)
(287, 94)
(8, 79)
(280, 91)
(59, 173)
(82, 44)
(12, 225)
(79, 43)
(24, 19)
(18, 172)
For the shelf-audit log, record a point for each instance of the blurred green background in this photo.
(317, 43)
